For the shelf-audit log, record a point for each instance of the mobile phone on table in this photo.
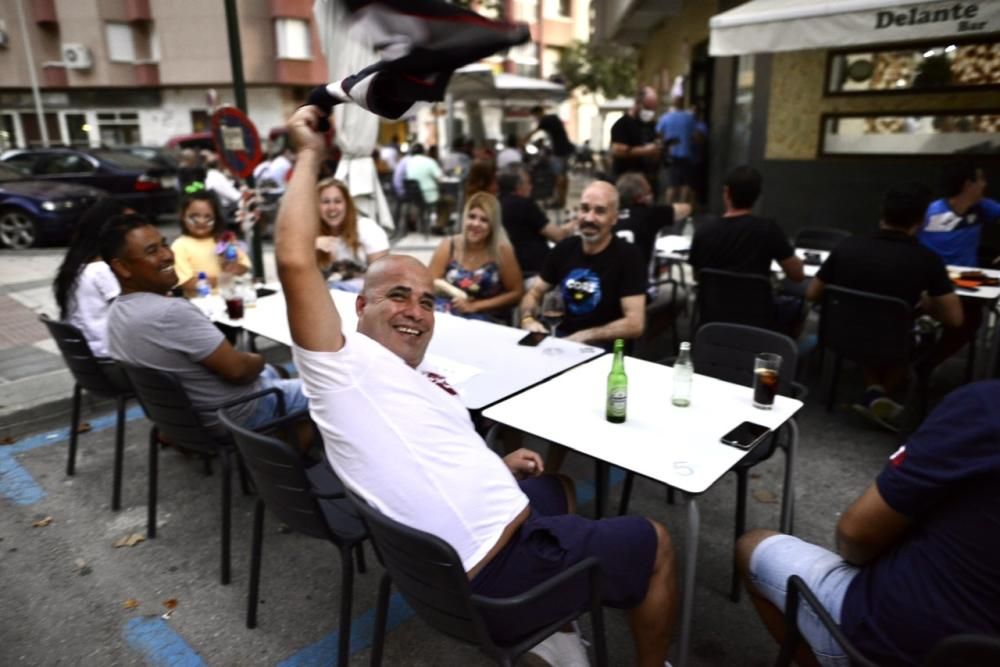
(265, 291)
(533, 338)
(746, 435)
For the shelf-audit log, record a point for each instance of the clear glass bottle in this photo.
(617, 397)
(683, 377)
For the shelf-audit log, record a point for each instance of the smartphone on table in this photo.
(746, 435)
(533, 338)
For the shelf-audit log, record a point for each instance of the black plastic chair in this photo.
(965, 650)
(738, 298)
(797, 587)
(167, 405)
(99, 376)
(727, 352)
(413, 197)
(433, 582)
(868, 329)
(309, 499)
(820, 238)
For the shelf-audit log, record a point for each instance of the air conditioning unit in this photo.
(76, 56)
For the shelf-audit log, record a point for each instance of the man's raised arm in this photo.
(312, 317)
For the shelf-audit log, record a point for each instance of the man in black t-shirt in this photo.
(639, 221)
(634, 144)
(562, 148)
(600, 277)
(893, 263)
(528, 228)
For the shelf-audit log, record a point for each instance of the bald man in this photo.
(402, 440)
(601, 277)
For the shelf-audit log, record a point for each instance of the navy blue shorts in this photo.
(550, 541)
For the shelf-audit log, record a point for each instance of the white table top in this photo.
(481, 360)
(982, 292)
(676, 446)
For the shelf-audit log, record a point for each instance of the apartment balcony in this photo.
(631, 21)
(137, 10)
(54, 76)
(291, 9)
(44, 11)
(146, 74)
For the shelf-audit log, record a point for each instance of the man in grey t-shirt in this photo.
(150, 329)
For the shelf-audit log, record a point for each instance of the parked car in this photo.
(34, 211)
(146, 187)
(195, 140)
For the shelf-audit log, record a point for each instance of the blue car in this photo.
(33, 211)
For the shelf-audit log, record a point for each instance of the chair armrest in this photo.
(249, 397)
(590, 567)
(799, 391)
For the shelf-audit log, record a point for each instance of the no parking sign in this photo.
(236, 140)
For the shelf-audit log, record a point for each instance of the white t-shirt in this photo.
(372, 237)
(408, 447)
(508, 156)
(89, 303)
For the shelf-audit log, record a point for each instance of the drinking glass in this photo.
(553, 310)
(766, 375)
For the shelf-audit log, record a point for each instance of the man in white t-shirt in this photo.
(404, 442)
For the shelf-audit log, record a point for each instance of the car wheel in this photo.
(18, 229)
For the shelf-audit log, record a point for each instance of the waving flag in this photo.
(421, 43)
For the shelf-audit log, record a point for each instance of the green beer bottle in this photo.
(617, 386)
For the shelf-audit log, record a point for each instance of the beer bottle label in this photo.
(617, 400)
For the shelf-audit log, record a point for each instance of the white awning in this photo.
(766, 26)
(478, 82)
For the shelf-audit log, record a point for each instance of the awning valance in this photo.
(765, 26)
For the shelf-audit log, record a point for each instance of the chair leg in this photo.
(381, 614)
(74, 426)
(741, 520)
(116, 485)
(346, 599)
(359, 554)
(256, 547)
(788, 490)
(626, 493)
(226, 512)
(154, 455)
(241, 468)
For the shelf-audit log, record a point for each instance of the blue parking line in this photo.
(159, 645)
(362, 632)
(17, 484)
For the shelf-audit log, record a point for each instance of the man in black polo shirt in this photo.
(528, 228)
(893, 263)
(744, 243)
(639, 220)
(634, 142)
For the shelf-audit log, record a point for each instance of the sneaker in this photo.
(561, 649)
(875, 406)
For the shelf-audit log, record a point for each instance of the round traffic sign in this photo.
(236, 140)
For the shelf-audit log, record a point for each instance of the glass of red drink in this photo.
(766, 375)
(234, 307)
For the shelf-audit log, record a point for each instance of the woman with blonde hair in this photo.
(476, 270)
(348, 242)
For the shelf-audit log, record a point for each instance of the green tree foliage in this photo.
(611, 73)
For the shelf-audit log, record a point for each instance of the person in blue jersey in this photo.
(953, 224)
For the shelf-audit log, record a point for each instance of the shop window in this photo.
(201, 120)
(932, 133)
(8, 133)
(118, 128)
(121, 42)
(292, 37)
(77, 130)
(933, 66)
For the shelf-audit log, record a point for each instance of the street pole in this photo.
(240, 92)
(35, 93)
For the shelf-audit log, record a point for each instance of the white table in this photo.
(676, 446)
(481, 360)
(676, 248)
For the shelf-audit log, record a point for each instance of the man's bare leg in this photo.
(652, 621)
(773, 618)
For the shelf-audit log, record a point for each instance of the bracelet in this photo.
(525, 318)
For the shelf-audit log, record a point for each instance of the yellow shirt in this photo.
(193, 255)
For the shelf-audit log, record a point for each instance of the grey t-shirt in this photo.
(172, 335)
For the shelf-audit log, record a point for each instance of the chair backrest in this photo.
(965, 650)
(167, 405)
(412, 191)
(427, 572)
(726, 352)
(280, 478)
(820, 238)
(88, 372)
(866, 327)
(740, 298)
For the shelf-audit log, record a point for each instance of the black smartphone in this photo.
(533, 338)
(265, 291)
(746, 435)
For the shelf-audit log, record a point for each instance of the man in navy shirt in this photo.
(916, 554)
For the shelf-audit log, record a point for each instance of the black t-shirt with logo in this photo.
(889, 262)
(743, 243)
(524, 220)
(641, 224)
(593, 285)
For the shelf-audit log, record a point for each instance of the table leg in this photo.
(690, 568)
(602, 475)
